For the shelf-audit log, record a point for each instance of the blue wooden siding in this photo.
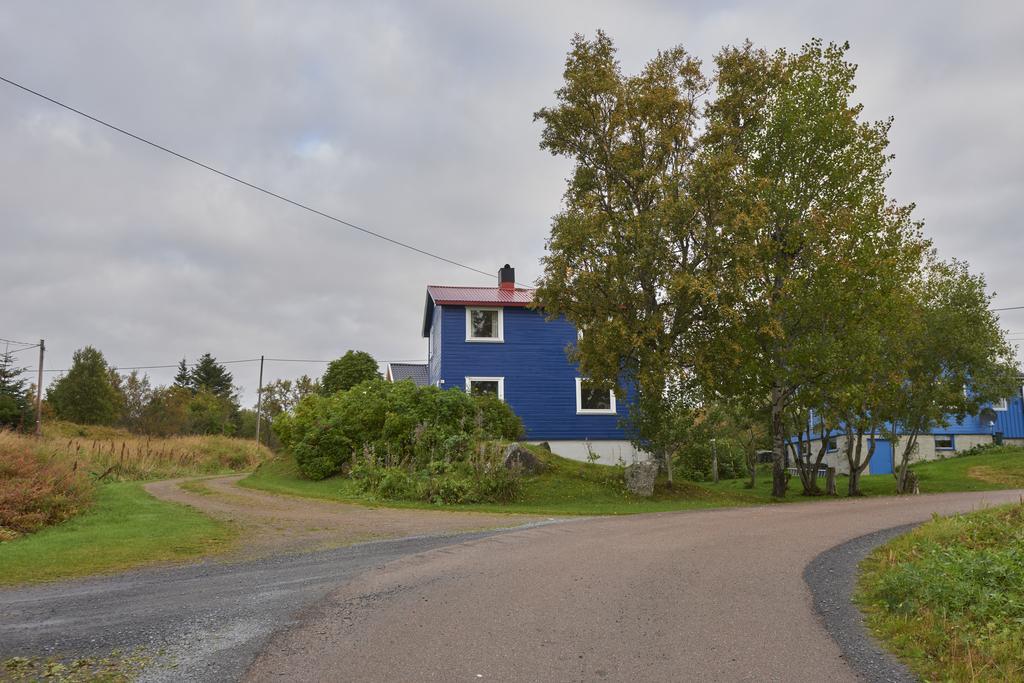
(1010, 422)
(540, 383)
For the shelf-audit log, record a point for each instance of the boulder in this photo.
(640, 478)
(517, 456)
(545, 445)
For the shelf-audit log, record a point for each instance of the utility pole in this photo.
(714, 460)
(39, 390)
(259, 403)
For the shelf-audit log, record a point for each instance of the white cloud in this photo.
(412, 119)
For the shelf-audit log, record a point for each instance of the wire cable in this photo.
(248, 184)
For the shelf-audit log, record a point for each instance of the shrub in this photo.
(394, 424)
(694, 461)
(36, 491)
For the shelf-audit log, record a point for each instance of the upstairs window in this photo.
(591, 400)
(484, 325)
(1002, 405)
(479, 386)
(944, 442)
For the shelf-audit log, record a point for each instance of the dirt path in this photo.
(697, 596)
(273, 524)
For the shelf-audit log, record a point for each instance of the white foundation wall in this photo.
(608, 452)
(925, 450)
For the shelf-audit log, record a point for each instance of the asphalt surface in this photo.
(711, 595)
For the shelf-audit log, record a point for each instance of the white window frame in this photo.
(499, 380)
(485, 340)
(580, 410)
(1001, 406)
(952, 442)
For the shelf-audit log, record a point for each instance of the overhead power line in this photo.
(1008, 308)
(225, 362)
(240, 181)
(11, 341)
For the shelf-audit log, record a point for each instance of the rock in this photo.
(545, 445)
(640, 478)
(516, 456)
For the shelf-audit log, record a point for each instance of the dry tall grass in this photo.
(109, 453)
(35, 490)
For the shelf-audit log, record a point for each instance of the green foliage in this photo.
(86, 394)
(694, 460)
(210, 376)
(351, 369)
(178, 410)
(391, 424)
(949, 596)
(15, 407)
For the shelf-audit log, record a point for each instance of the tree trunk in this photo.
(903, 480)
(831, 481)
(853, 488)
(667, 459)
(778, 446)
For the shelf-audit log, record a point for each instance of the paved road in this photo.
(713, 595)
(700, 596)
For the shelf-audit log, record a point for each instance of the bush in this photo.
(694, 462)
(36, 491)
(393, 424)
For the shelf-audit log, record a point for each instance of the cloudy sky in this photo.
(412, 119)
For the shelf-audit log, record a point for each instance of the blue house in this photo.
(1002, 421)
(488, 340)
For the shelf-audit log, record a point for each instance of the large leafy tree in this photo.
(349, 370)
(958, 359)
(821, 242)
(632, 256)
(85, 394)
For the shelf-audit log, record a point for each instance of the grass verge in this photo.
(948, 597)
(568, 487)
(125, 528)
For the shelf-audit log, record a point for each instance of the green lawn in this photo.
(125, 528)
(999, 468)
(948, 597)
(568, 487)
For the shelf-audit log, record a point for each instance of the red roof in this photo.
(472, 296)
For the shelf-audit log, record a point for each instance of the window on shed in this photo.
(483, 324)
(1002, 405)
(944, 442)
(833, 446)
(592, 399)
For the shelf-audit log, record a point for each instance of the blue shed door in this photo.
(881, 460)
